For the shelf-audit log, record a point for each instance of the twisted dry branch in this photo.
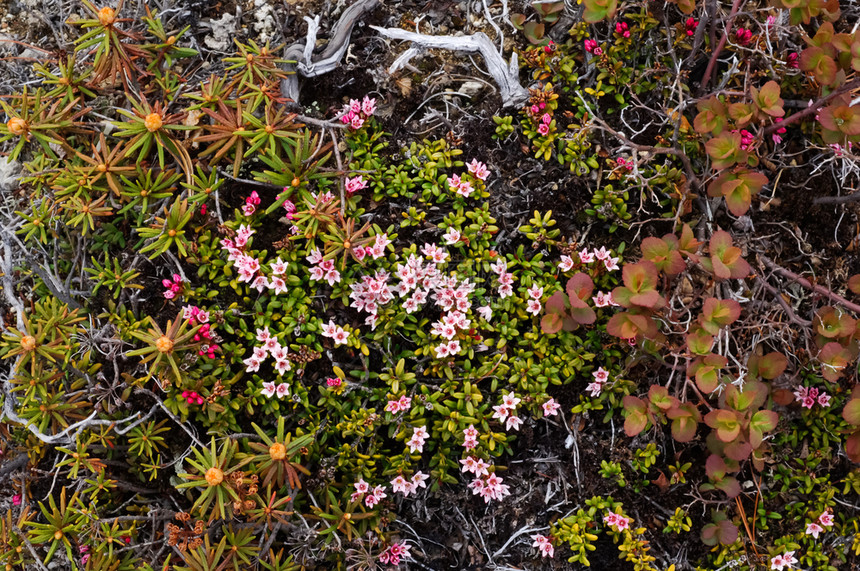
(302, 52)
(506, 74)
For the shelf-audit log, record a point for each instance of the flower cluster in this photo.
(690, 25)
(197, 316)
(322, 269)
(626, 164)
(601, 377)
(474, 466)
(777, 136)
(371, 497)
(810, 396)
(192, 397)
(402, 404)
(619, 522)
(506, 280)
(354, 184)
(586, 257)
(544, 125)
(622, 29)
(406, 487)
(247, 266)
(824, 520)
(505, 412)
(251, 203)
(270, 345)
(357, 112)
(336, 333)
(743, 36)
(269, 389)
(461, 185)
(393, 554)
(416, 443)
(544, 545)
(490, 488)
(470, 438)
(537, 108)
(533, 305)
(592, 47)
(747, 139)
(174, 287)
(780, 562)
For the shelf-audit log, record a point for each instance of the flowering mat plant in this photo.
(500, 285)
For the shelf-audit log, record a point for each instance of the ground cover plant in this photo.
(589, 300)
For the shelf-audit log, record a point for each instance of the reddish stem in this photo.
(809, 285)
(794, 117)
(716, 53)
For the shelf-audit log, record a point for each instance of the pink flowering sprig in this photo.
(204, 335)
(544, 545)
(174, 287)
(356, 113)
(809, 397)
(472, 181)
(251, 204)
(395, 553)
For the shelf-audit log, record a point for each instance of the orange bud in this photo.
(28, 343)
(17, 126)
(214, 476)
(107, 16)
(153, 122)
(164, 344)
(277, 451)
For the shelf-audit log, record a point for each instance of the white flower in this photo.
(268, 389)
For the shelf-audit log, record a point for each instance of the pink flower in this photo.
(356, 122)
(594, 388)
(543, 545)
(691, 24)
(546, 118)
(253, 365)
(566, 264)
(478, 169)
(333, 382)
(550, 407)
(533, 306)
(590, 45)
(543, 129)
(601, 375)
(619, 522)
(353, 185)
(813, 529)
(622, 29)
(602, 299)
(743, 36)
(611, 264)
(368, 105)
(361, 487)
(780, 562)
(598, 51)
(826, 519)
(513, 422)
(282, 390)
(452, 236)
(791, 60)
(16, 499)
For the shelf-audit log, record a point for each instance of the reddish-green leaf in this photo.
(854, 283)
(712, 116)
(664, 254)
(834, 358)
(718, 313)
(851, 412)
(699, 342)
(725, 150)
(637, 417)
(768, 99)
